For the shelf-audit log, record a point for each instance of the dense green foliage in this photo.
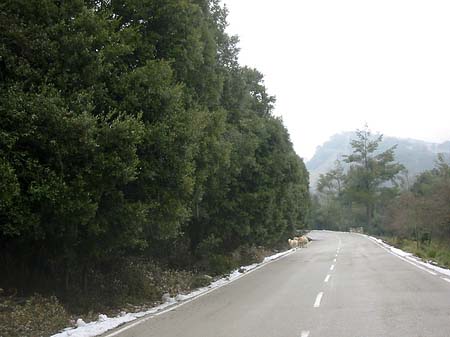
(369, 171)
(421, 212)
(357, 196)
(377, 193)
(127, 128)
(37, 316)
(416, 155)
(418, 219)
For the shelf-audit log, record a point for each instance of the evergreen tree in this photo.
(127, 126)
(369, 170)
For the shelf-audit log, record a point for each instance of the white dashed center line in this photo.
(304, 334)
(327, 278)
(332, 267)
(334, 260)
(318, 299)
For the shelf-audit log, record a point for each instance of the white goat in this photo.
(302, 241)
(293, 243)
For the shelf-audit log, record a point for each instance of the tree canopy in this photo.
(369, 179)
(127, 127)
(369, 170)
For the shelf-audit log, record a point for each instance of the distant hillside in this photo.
(416, 155)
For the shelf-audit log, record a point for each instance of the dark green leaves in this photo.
(127, 125)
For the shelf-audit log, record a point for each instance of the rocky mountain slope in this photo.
(416, 155)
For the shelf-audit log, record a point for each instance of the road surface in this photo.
(341, 285)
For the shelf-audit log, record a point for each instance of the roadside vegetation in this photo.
(136, 155)
(128, 285)
(31, 317)
(369, 188)
(437, 252)
(418, 220)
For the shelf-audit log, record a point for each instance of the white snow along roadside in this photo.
(104, 323)
(409, 257)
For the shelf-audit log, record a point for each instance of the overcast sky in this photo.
(336, 64)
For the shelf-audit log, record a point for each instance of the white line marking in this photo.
(318, 299)
(402, 258)
(180, 304)
(332, 267)
(424, 269)
(446, 279)
(328, 278)
(336, 255)
(305, 333)
(334, 260)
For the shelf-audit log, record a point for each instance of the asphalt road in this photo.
(341, 285)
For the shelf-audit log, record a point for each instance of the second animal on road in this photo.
(298, 241)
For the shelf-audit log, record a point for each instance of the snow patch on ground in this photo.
(105, 323)
(431, 266)
(414, 259)
(400, 252)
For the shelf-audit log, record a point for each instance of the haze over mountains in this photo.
(416, 155)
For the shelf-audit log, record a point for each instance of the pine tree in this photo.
(369, 171)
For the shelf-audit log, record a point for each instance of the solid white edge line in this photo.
(318, 300)
(178, 305)
(401, 257)
(332, 267)
(305, 333)
(328, 278)
(423, 268)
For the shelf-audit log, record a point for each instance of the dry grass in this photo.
(131, 285)
(35, 317)
(437, 252)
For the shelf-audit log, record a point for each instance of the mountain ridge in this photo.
(416, 155)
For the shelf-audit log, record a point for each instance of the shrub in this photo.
(432, 253)
(246, 255)
(139, 282)
(419, 253)
(444, 258)
(37, 316)
(199, 281)
(220, 264)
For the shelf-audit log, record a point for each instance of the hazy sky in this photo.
(336, 64)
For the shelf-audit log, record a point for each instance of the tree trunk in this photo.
(66, 277)
(85, 279)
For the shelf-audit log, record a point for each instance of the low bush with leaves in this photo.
(35, 317)
(437, 252)
(127, 283)
(129, 133)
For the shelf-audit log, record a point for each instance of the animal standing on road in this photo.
(293, 243)
(302, 241)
